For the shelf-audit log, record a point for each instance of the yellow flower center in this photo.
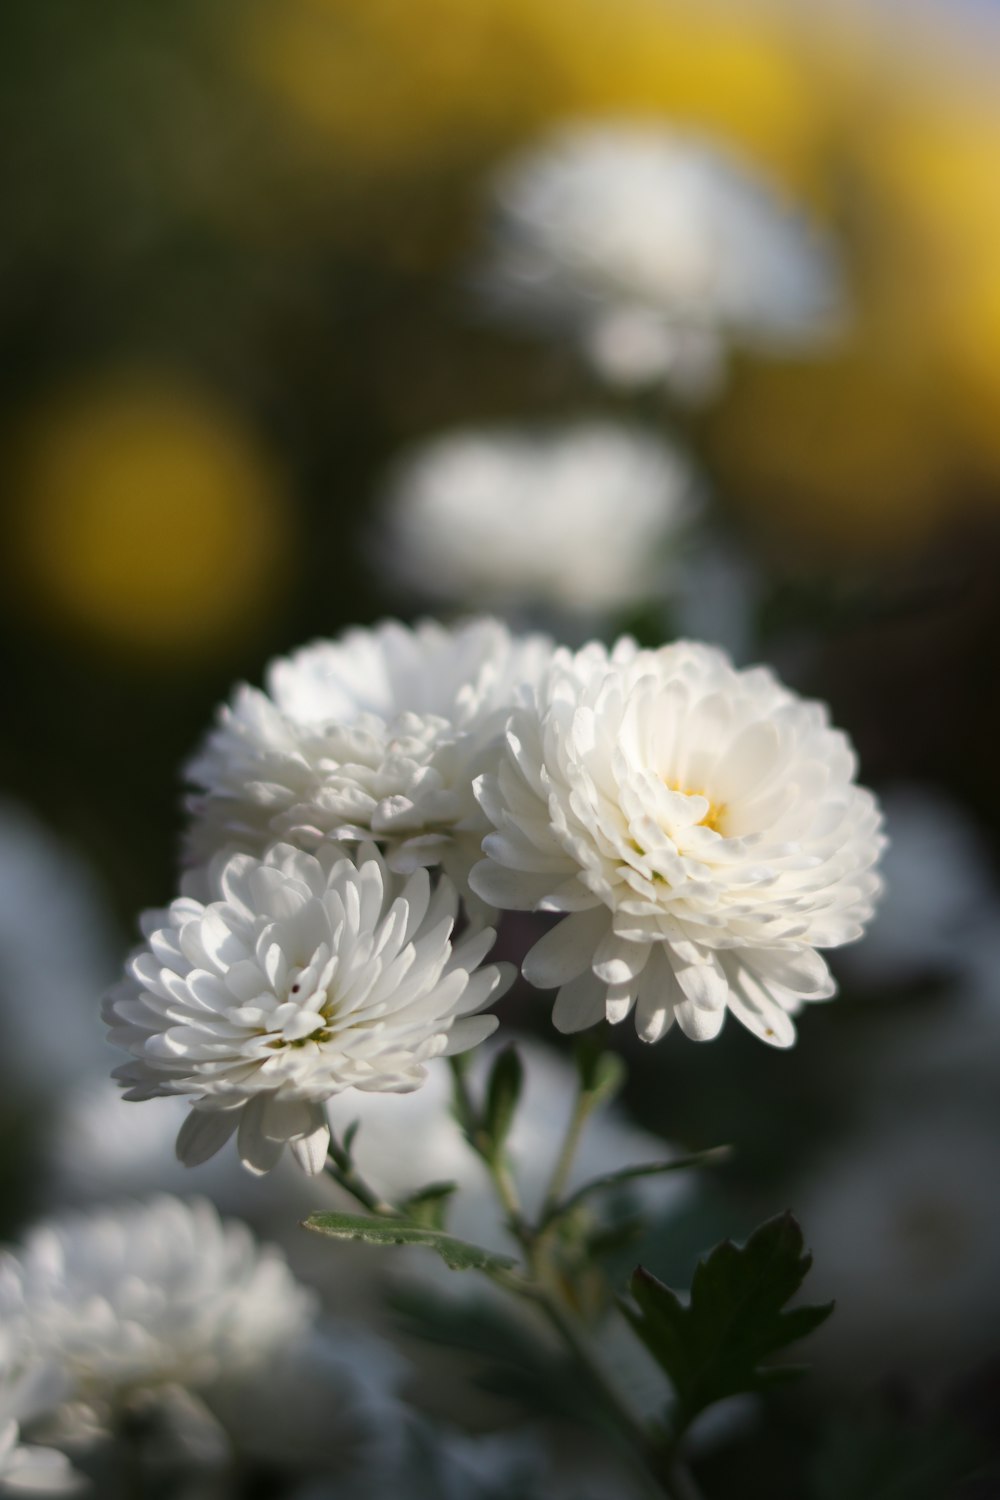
(714, 817)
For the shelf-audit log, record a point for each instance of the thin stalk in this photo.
(575, 1340)
(683, 1482)
(340, 1167)
(585, 1102)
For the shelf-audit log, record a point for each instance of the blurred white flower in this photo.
(655, 249)
(941, 895)
(308, 974)
(128, 1300)
(29, 1468)
(702, 829)
(25, 1392)
(904, 1224)
(327, 1404)
(50, 903)
(375, 735)
(578, 519)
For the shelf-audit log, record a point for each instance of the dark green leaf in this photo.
(457, 1254)
(429, 1206)
(502, 1094)
(712, 1346)
(349, 1135)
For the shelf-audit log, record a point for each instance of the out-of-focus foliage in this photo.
(147, 517)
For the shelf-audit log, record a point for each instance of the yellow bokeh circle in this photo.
(147, 515)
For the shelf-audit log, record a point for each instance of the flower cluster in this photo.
(155, 1293)
(654, 251)
(158, 1314)
(697, 829)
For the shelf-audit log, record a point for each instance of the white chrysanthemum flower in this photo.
(657, 250)
(701, 826)
(149, 1295)
(31, 1469)
(328, 1404)
(578, 519)
(27, 1391)
(309, 974)
(375, 735)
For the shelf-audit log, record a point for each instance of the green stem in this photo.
(682, 1481)
(585, 1101)
(535, 1285)
(575, 1340)
(340, 1167)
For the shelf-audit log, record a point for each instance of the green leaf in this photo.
(502, 1094)
(457, 1254)
(612, 1180)
(712, 1346)
(602, 1073)
(429, 1206)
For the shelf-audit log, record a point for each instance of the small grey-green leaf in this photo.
(612, 1180)
(458, 1254)
(429, 1206)
(602, 1074)
(502, 1094)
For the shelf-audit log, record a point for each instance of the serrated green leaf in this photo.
(712, 1346)
(458, 1254)
(502, 1095)
(429, 1206)
(611, 1180)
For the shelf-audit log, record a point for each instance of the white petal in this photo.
(580, 1004)
(566, 950)
(203, 1133)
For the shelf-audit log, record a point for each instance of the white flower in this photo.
(309, 974)
(656, 249)
(147, 1295)
(28, 1468)
(701, 826)
(26, 1392)
(577, 518)
(327, 1404)
(377, 734)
